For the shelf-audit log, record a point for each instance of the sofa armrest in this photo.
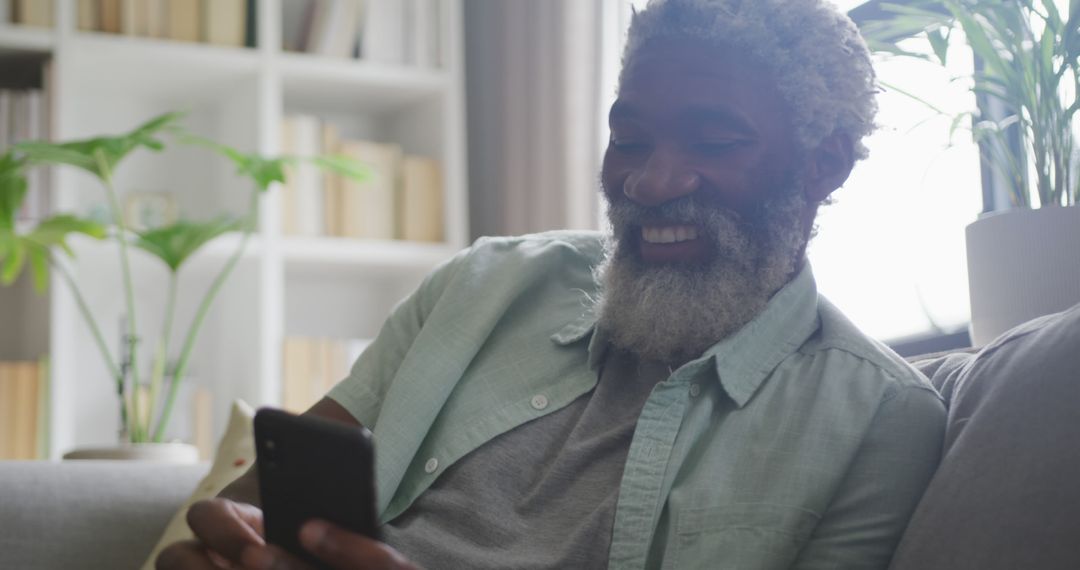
(87, 514)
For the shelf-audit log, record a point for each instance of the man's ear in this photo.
(830, 165)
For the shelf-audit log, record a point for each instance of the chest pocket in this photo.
(739, 536)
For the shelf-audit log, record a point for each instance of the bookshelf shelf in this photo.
(318, 287)
(182, 72)
(350, 85)
(342, 254)
(26, 39)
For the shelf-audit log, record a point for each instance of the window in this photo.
(890, 252)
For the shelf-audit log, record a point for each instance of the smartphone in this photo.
(311, 467)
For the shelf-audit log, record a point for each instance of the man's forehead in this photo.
(693, 77)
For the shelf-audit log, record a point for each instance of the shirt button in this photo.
(431, 465)
(695, 390)
(539, 401)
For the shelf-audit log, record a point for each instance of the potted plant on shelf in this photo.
(1022, 261)
(145, 407)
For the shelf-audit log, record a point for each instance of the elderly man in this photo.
(674, 394)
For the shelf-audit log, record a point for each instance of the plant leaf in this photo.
(939, 42)
(344, 166)
(262, 171)
(174, 244)
(12, 263)
(55, 230)
(265, 171)
(83, 153)
(12, 190)
(39, 268)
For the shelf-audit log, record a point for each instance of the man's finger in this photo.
(186, 555)
(225, 526)
(343, 550)
(271, 557)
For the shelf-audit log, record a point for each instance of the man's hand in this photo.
(340, 549)
(223, 530)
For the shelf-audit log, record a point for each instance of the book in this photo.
(88, 18)
(333, 28)
(183, 19)
(111, 19)
(289, 225)
(421, 200)
(311, 367)
(368, 207)
(251, 23)
(331, 143)
(155, 14)
(422, 36)
(295, 16)
(225, 21)
(44, 412)
(383, 36)
(24, 116)
(128, 17)
(37, 13)
(294, 379)
(7, 415)
(141, 18)
(6, 111)
(26, 402)
(305, 205)
(19, 407)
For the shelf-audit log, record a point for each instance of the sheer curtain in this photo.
(533, 85)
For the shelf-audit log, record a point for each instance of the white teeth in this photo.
(669, 234)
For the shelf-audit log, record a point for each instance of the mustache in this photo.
(626, 215)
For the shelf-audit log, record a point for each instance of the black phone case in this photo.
(311, 467)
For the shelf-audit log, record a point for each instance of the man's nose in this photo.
(663, 178)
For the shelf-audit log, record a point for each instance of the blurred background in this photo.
(474, 117)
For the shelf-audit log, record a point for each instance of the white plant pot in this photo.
(159, 452)
(1022, 264)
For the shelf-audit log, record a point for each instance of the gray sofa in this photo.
(92, 515)
(1006, 496)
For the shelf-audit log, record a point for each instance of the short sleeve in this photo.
(362, 392)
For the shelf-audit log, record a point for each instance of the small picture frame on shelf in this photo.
(147, 210)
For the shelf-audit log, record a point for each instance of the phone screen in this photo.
(311, 467)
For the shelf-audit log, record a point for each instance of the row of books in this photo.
(402, 198)
(397, 32)
(23, 409)
(24, 116)
(220, 22)
(37, 13)
(311, 366)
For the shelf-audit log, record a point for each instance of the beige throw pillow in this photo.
(235, 454)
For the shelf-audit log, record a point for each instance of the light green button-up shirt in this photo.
(795, 443)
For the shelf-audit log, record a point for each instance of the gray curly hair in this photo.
(818, 59)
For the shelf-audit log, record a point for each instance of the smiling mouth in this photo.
(668, 234)
(673, 243)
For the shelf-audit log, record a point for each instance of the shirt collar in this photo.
(745, 359)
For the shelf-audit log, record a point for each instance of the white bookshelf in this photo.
(284, 285)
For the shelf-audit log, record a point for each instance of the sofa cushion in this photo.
(235, 455)
(86, 514)
(1006, 495)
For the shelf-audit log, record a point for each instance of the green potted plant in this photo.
(146, 404)
(1022, 261)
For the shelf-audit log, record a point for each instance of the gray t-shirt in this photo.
(542, 495)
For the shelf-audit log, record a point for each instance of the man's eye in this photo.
(716, 147)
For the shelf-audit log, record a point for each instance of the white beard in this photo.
(673, 312)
